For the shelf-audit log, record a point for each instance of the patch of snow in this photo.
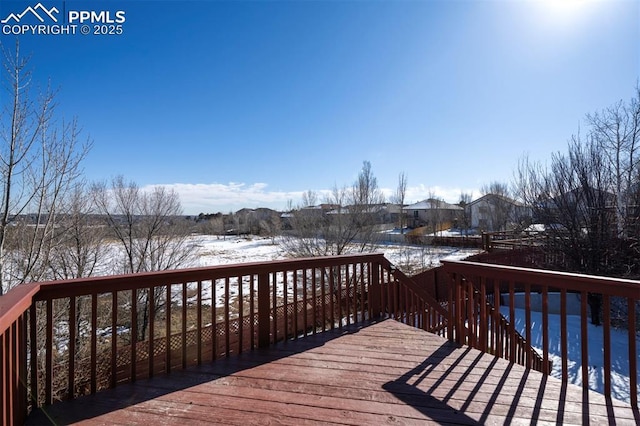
(595, 345)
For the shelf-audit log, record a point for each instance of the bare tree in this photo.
(147, 225)
(309, 198)
(39, 163)
(348, 224)
(214, 225)
(150, 233)
(616, 131)
(79, 245)
(465, 199)
(570, 197)
(399, 197)
(270, 225)
(589, 197)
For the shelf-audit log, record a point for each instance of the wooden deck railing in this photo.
(63, 339)
(484, 283)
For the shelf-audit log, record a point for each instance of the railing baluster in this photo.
(339, 295)
(286, 304)
(184, 326)
(633, 353)
(496, 319)
(94, 342)
(214, 322)
(33, 340)
(374, 296)
(72, 348)
(332, 294)
(152, 334)
(355, 292)
(167, 329)
(323, 294)
(252, 312)
(459, 311)
(227, 326)
(5, 368)
(49, 355)
(314, 297)
(134, 335)
(240, 314)
(347, 304)
(304, 301)
(451, 306)
(467, 288)
(545, 328)
(199, 323)
(274, 303)
(23, 376)
(583, 341)
(527, 310)
(564, 335)
(263, 310)
(397, 293)
(512, 320)
(114, 337)
(606, 337)
(483, 314)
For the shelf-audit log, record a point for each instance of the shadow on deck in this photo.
(377, 373)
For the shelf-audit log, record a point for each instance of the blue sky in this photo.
(247, 104)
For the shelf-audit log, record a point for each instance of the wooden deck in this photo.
(380, 373)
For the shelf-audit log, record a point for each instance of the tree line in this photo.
(588, 197)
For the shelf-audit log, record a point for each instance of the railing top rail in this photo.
(15, 303)
(556, 279)
(19, 298)
(83, 286)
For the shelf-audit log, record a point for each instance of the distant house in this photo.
(306, 213)
(256, 221)
(432, 212)
(495, 212)
(386, 213)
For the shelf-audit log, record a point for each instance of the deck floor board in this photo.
(379, 373)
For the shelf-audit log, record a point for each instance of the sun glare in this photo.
(565, 14)
(565, 7)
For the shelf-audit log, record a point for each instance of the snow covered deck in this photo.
(377, 373)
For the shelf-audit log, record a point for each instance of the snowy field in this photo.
(619, 351)
(213, 250)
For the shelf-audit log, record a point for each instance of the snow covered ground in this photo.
(619, 351)
(213, 250)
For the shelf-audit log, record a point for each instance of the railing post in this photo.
(264, 314)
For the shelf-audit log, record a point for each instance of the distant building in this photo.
(432, 212)
(494, 212)
(379, 213)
